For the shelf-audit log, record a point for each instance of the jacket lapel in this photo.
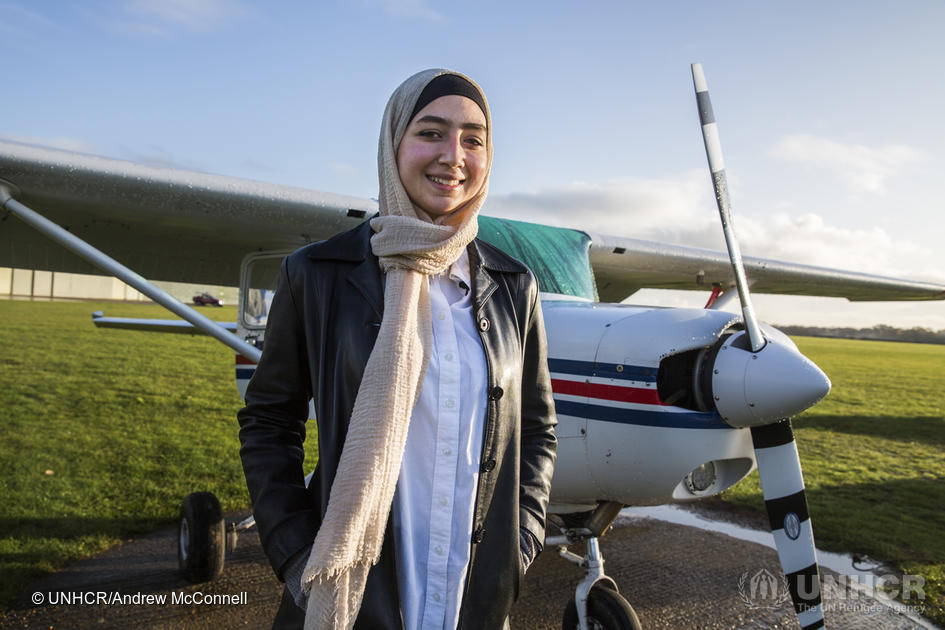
(484, 260)
(482, 282)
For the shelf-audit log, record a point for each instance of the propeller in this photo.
(759, 383)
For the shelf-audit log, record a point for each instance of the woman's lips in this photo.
(449, 183)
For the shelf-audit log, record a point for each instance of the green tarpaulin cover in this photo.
(557, 256)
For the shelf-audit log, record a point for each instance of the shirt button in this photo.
(447, 451)
(436, 597)
(449, 356)
(441, 316)
(449, 403)
(443, 502)
(438, 550)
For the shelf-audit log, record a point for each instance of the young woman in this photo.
(424, 351)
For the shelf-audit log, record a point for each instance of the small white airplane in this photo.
(655, 405)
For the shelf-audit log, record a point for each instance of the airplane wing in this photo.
(184, 226)
(166, 224)
(623, 266)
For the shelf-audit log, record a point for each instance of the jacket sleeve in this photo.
(272, 430)
(539, 445)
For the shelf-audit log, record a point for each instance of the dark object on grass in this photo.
(205, 299)
(200, 538)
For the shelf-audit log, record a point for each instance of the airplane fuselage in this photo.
(617, 372)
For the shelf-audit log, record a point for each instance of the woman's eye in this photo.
(474, 141)
(429, 133)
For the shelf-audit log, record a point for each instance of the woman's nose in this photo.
(453, 154)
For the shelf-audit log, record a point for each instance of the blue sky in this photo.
(829, 112)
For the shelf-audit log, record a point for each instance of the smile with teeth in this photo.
(443, 181)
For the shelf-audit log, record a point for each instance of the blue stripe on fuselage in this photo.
(603, 370)
(667, 419)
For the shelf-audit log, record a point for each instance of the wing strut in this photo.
(106, 263)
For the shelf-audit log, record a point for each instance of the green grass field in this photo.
(107, 430)
(873, 454)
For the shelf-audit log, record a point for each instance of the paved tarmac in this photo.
(676, 578)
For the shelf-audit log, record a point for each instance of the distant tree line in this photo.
(880, 332)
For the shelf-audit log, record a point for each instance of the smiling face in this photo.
(442, 158)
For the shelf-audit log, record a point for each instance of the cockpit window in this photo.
(260, 276)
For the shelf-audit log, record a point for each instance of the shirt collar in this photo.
(459, 272)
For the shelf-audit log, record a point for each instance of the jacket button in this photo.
(483, 324)
(495, 393)
(478, 535)
(488, 465)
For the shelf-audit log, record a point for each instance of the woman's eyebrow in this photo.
(438, 120)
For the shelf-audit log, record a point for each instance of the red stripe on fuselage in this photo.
(606, 392)
(241, 360)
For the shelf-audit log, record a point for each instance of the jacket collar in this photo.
(354, 246)
(485, 262)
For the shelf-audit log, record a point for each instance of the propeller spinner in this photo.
(760, 383)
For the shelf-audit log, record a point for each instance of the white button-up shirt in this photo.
(436, 491)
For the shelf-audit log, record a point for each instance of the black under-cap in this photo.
(445, 85)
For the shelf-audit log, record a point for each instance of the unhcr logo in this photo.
(763, 589)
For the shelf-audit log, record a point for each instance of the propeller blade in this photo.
(782, 484)
(713, 151)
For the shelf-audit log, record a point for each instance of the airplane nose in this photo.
(756, 388)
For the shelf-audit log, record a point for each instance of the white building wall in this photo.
(25, 283)
(47, 284)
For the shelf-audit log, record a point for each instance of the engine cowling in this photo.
(756, 388)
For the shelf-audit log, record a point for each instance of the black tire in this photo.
(201, 538)
(606, 610)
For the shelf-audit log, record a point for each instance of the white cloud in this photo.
(866, 168)
(674, 209)
(680, 210)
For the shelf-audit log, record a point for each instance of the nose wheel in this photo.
(597, 605)
(606, 610)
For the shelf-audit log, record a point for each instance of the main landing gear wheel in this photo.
(201, 538)
(606, 610)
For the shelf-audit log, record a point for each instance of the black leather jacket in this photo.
(322, 326)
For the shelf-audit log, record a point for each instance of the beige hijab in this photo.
(410, 247)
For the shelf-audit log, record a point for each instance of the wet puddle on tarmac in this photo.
(862, 576)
